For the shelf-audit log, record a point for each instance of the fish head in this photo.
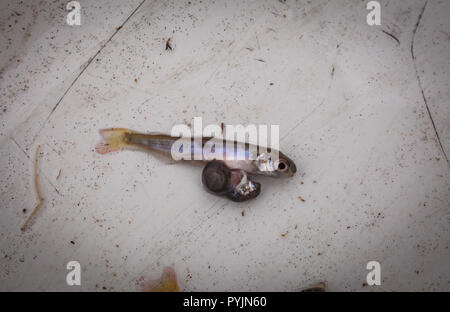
(285, 167)
(275, 164)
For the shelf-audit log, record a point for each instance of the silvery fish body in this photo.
(236, 155)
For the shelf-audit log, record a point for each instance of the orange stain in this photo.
(167, 282)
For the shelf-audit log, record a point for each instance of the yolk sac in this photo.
(219, 179)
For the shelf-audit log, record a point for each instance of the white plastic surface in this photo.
(348, 99)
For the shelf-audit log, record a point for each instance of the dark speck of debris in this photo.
(168, 44)
(260, 60)
(72, 242)
(271, 83)
(24, 210)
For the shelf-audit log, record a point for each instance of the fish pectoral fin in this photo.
(164, 159)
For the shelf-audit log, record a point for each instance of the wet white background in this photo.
(348, 99)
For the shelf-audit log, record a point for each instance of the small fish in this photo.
(230, 176)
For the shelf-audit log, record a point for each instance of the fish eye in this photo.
(282, 165)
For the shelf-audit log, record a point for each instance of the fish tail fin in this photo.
(113, 140)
